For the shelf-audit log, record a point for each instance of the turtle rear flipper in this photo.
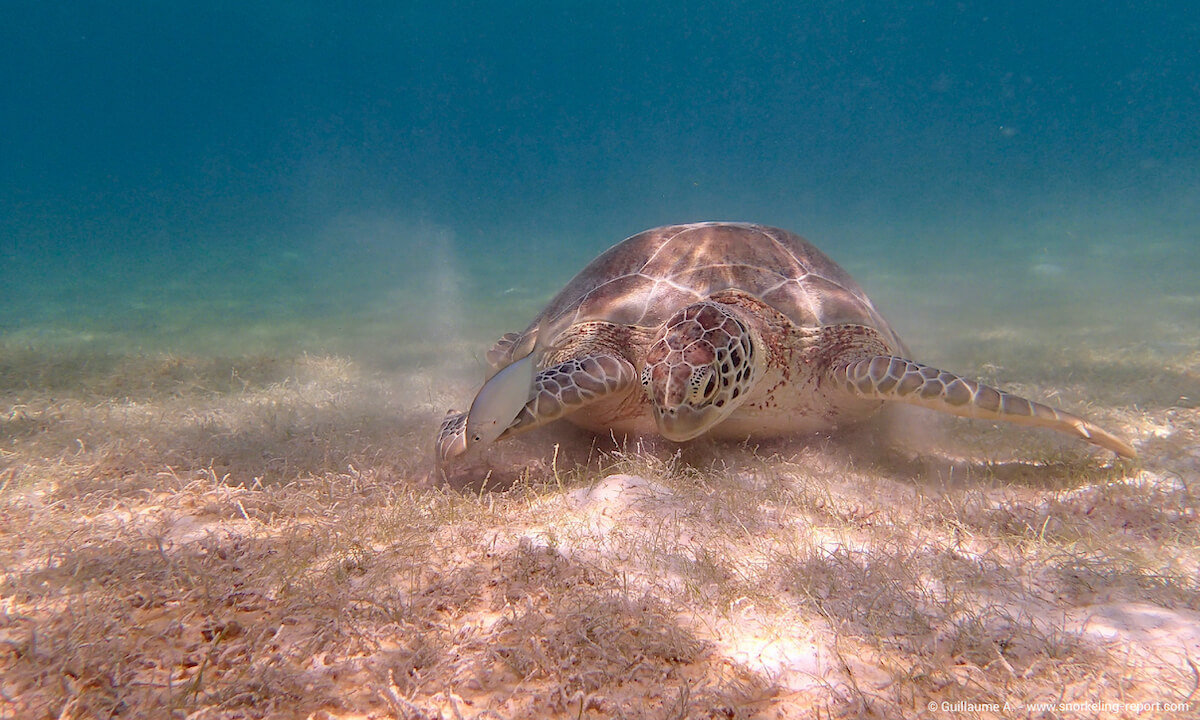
(892, 378)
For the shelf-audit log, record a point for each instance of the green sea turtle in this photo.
(726, 329)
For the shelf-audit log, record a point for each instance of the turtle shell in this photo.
(645, 279)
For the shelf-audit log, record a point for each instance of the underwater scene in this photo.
(253, 258)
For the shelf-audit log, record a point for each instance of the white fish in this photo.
(501, 398)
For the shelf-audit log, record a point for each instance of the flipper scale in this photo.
(899, 380)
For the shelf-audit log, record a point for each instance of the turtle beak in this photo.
(684, 422)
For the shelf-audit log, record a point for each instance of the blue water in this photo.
(403, 182)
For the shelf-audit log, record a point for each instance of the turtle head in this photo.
(698, 370)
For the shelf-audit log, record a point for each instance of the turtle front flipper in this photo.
(557, 391)
(885, 377)
(452, 436)
(501, 354)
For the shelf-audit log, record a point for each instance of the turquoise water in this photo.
(401, 185)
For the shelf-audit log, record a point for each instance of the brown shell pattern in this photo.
(645, 279)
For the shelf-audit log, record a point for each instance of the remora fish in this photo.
(501, 398)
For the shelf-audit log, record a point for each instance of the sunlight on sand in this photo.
(239, 534)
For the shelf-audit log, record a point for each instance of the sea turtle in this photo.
(727, 329)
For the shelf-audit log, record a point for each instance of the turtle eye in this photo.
(702, 385)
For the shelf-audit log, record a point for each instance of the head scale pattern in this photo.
(699, 370)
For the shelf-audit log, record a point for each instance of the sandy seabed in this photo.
(227, 535)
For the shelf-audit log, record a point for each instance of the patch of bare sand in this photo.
(194, 538)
